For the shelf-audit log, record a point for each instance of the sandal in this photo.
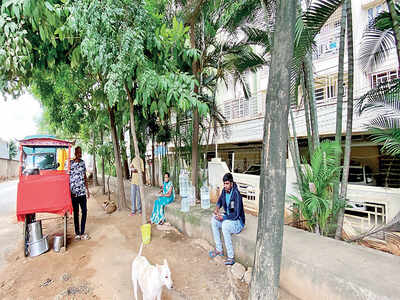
(77, 237)
(229, 261)
(215, 253)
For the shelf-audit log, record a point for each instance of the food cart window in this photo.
(41, 161)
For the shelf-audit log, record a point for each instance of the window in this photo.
(331, 91)
(379, 78)
(319, 94)
(378, 9)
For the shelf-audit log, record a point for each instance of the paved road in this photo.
(10, 231)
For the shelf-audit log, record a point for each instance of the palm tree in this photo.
(394, 9)
(339, 100)
(379, 38)
(318, 178)
(222, 54)
(384, 101)
(349, 125)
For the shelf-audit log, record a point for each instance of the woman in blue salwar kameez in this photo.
(167, 196)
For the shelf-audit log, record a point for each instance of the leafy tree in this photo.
(28, 41)
(12, 150)
(134, 55)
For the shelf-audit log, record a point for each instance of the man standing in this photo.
(231, 222)
(79, 187)
(136, 166)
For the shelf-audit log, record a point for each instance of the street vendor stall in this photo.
(43, 185)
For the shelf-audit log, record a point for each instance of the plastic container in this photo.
(183, 183)
(146, 233)
(185, 205)
(192, 195)
(205, 196)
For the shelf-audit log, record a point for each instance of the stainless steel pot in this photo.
(38, 247)
(35, 231)
(58, 242)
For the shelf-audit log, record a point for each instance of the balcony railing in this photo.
(242, 108)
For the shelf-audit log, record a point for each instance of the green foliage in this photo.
(106, 152)
(165, 165)
(28, 40)
(318, 178)
(388, 138)
(377, 40)
(12, 150)
(128, 47)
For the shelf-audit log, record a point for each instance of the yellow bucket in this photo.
(146, 233)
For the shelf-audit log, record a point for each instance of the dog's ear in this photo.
(165, 262)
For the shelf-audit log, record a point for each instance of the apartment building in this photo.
(239, 144)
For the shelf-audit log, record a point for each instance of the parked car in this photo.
(361, 175)
(253, 170)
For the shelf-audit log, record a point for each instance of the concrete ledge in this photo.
(197, 224)
(313, 267)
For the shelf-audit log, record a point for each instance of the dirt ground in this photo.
(100, 268)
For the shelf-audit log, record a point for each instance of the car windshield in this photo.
(42, 161)
(253, 170)
(356, 174)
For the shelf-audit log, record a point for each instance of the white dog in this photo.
(151, 278)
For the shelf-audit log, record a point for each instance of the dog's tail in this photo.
(140, 250)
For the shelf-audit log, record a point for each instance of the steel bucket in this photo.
(35, 231)
(38, 247)
(58, 242)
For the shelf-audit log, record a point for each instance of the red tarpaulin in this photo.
(47, 192)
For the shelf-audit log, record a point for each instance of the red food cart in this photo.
(43, 185)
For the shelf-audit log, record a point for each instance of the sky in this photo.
(17, 117)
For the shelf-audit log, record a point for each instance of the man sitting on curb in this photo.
(231, 222)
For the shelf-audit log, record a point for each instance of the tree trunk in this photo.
(137, 153)
(153, 159)
(267, 258)
(196, 120)
(309, 80)
(295, 151)
(307, 118)
(396, 27)
(102, 163)
(95, 181)
(339, 103)
(117, 156)
(131, 146)
(349, 125)
(124, 154)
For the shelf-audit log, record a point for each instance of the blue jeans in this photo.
(134, 191)
(228, 227)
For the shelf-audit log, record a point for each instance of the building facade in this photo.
(372, 173)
